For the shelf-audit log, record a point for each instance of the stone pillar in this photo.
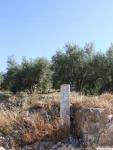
(65, 104)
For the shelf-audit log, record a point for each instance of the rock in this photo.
(106, 138)
(1, 148)
(56, 146)
(69, 143)
(3, 142)
(92, 125)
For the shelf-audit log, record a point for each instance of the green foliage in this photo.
(1, 79)
(68, 67)
(29, 75)
(19, 102)
(86, 70)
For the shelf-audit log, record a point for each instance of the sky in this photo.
(36, 28)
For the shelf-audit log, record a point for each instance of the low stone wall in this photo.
(94, 125)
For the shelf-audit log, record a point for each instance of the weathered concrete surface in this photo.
(2, 148)
(65, 104)
(94, 126)
(106, 138)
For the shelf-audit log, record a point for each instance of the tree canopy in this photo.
(85, 69)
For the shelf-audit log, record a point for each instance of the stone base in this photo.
(93, 126)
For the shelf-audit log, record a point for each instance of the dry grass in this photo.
(25, 127)
(6, 119)
(49, 100)
(104, 101)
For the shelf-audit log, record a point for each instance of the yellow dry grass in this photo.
(27, 128)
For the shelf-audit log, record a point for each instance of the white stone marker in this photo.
(65, 104)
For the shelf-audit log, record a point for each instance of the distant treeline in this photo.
(85, 69)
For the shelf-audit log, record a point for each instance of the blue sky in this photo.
(35, 28)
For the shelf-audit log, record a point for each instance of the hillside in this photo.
(34, 120)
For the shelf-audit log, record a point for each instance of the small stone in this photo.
(2, 148)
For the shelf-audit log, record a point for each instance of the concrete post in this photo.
(65, 104)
